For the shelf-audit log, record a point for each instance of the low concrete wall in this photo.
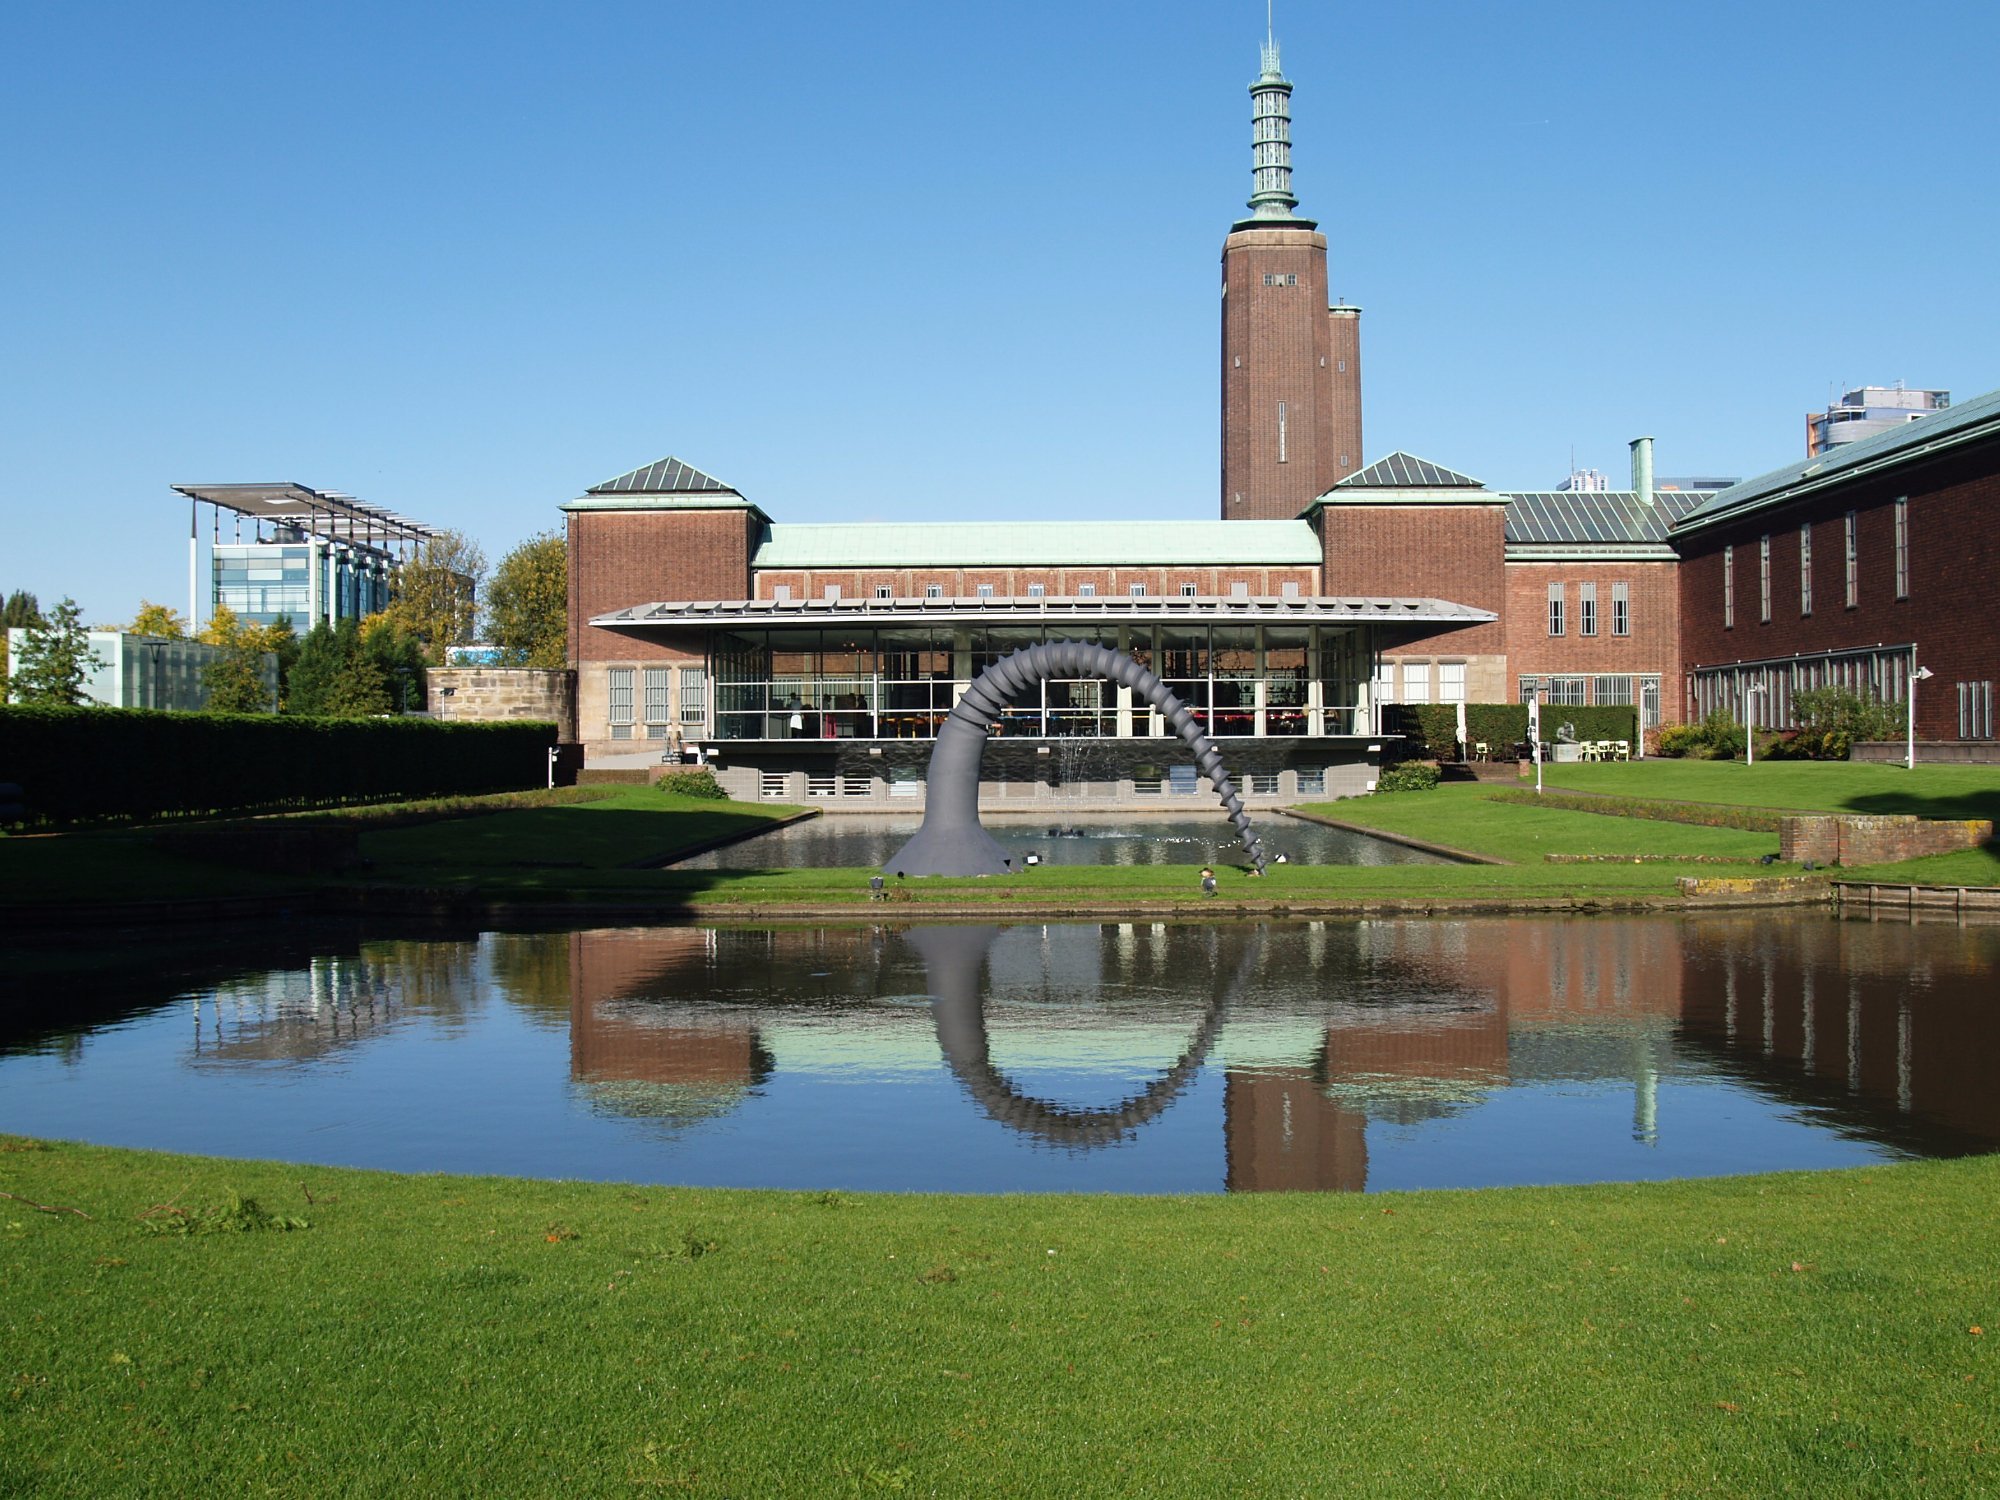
(1929, 752)
(1831, 840)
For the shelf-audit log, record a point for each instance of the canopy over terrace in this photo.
(298, 510)
(862, 669)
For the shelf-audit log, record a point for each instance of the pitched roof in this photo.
(975, 544)
(1969, 421)
(1405, 471)
(1583, 517)
(667, 477)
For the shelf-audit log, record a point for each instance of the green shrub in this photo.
(82, 765)
(699, 782)
(1500, 726)
(1831, 719)
(1410, 776)
(1717, 737)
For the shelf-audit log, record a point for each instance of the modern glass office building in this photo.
(293, 553)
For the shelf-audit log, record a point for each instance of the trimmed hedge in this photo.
(82, 765)
(1506, 724)
(1700, 814)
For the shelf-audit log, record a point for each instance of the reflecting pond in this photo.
(1135, 1057)
(870, 840)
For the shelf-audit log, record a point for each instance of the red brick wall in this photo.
(1277, 346)
(1652, 647)
(1454, 552)
(621, 558)
(1876, 840)
(1954, 564)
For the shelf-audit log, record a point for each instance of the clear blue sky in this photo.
(884, 261)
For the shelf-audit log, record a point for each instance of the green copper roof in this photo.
(988, 544)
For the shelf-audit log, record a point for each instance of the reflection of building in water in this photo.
(1430, 1017)
(1889, 1025)
(635, 1058)
(294, 1015)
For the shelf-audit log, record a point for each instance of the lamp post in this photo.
(1535, 733)
(1917, 674)
(1749, 725)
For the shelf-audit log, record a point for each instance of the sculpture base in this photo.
(950, 851)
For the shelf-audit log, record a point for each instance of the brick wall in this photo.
(1652, 647)
(1875, 840)
(1277, 346)
(621, 558)
(1454, 552)
(1953, 562)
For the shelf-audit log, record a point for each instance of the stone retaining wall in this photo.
(474, 694)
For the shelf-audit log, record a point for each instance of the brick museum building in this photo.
(820, 659)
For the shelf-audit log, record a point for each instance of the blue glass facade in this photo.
(305, 582)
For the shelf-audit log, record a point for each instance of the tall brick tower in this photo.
(1291, 364)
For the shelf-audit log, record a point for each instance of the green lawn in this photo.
(1827, 786)
(1808, 1334)
(1463, 815)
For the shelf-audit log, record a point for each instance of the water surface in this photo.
(1131, 1057)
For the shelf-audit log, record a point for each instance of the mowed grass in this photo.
(1809, 1334)
(1796, 785)
(1463, 815)
(630, 824)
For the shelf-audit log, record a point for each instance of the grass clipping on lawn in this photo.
(1808, 1333)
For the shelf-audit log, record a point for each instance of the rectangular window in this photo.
(1289, 590)
(1384, 687)
(1586, 609)
(781, 592)
(933, 591)
(832, 591)
(1728, 588)
(1086, 591)
(1621, 609)
(1037, 590)
(694, 695)
(1611, 689)
(1281, 432)
(1416, 682)
(1853, 562)
(984, 591)
(1555, 609)
(1975, 710)
(1567, 691)
(1529, 687)
(1903, 547)
(1451, 682)
(883, 591)
(1239, 591)
(621, 703)
(1764, 578)
(655, 704)
(1187, 591)
(1137, 591)
(1805, 568)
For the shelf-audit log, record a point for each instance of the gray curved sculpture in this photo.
(951, 841)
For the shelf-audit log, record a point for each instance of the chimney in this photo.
(1642, 469)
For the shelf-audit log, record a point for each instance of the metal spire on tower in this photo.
(1271, 136)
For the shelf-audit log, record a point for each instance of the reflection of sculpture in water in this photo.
(951, 841)
(955, 962)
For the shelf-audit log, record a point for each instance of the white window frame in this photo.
(1555, 609)
(1764, 578)
(1729, 588)
(620, 709)
(656, 700)
(1586, 609)
(1853, 529)
(1621, 609)
(1451, 682)
(1805, 569)
(694, 695)
(1902, 546)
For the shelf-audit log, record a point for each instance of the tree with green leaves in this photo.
(527, 604)
(157, 620)
(399, 656)
(437, 593)
(235, 680)
(21, 610)
(55, 661)
(333, 678)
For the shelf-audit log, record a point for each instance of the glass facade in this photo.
(900, 682)
(305, 582)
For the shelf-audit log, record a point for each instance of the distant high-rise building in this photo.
(1291, 364)
(1867, 410)
(1585, 481)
